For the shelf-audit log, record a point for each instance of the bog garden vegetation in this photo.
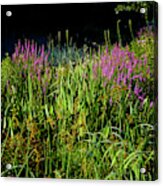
(70, 112)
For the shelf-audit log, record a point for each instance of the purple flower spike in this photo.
(141, 98)
(39, 75)
(151, 104)
(137, 90)
(26, 45)
(46, 58)
(124, 80)
(145, 60)
(22, 49)
(44, 90)
(42, 51)
(36, 62)
(16, 51)
(19, 44)
(32, 48)
(105, 71)
(111, 101)
(118, 79)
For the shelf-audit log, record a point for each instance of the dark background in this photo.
(84, 20)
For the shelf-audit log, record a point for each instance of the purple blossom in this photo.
(119, 67)
(44, 90)
(32, 48)
(137, 90)
(141, 98)
(138, 77)
(105, 71)
(39, 75)
(111, 101)
(118, 79)
(36, 61)
(42, 51)
(151, 104)
(22, 49)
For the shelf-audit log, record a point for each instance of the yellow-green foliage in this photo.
(8, 72)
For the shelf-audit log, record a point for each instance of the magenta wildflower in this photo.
(44, 90)
(39, 74)
(111, 101)
(141, 98)
(36, 62)
(32, 48)
(151, 104)
(119, 67)
(47, 72)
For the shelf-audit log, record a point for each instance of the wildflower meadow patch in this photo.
(81, 112)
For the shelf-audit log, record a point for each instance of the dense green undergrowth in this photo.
(79, 113)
